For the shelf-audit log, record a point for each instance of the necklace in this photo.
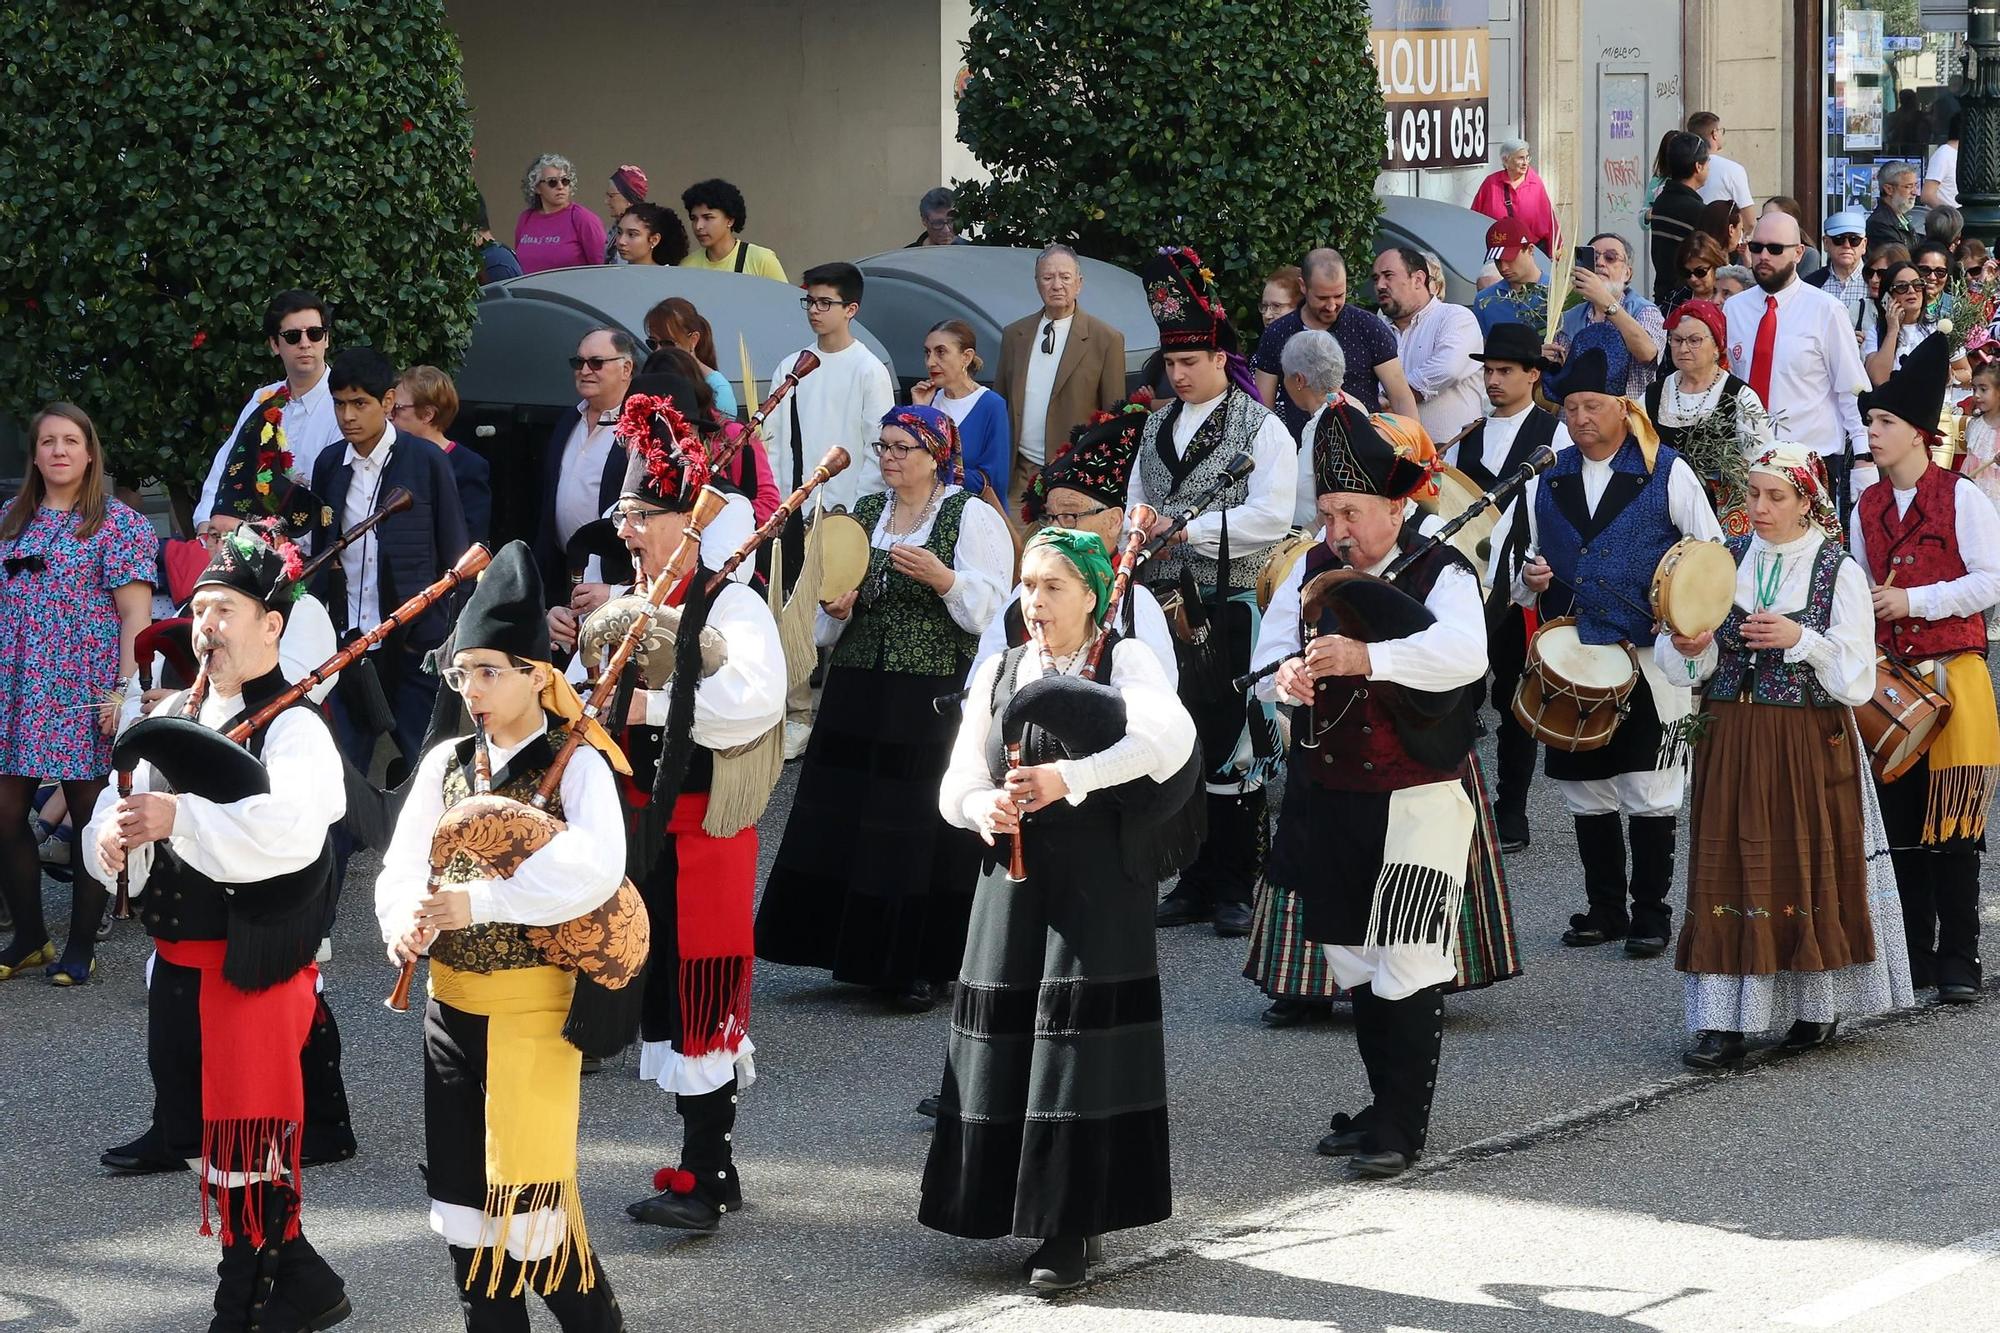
(1770, 573)
(1703, 402)
(1066, 666)
(889, 527)
(877, 581)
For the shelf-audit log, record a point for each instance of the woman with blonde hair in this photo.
(78, 588)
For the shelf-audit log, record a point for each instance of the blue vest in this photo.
(1604, 562)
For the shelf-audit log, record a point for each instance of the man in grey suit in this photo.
(1057, 366)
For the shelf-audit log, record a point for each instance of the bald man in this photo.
(1794, 344)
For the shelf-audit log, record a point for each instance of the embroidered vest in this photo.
(1173, 486)
(1539, 429)
(494, 946)
(907, 627)
(1772, 679)
(1919, 548)
(1364, 750)
(1604, 562)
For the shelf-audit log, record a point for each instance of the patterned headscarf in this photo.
(1085, 552)
(1806, 471)
(935, 431)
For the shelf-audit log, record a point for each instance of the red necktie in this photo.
(1764, 352)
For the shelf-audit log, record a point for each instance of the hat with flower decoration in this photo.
(1180, 292)
(260, 562)
(666, 463)
(1097, 461)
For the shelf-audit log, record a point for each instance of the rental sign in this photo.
(1430, 56)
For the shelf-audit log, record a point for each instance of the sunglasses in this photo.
(595, 362)
(1900, 288)
(1843, 240)
(1876, 274)
(1930, 272)
(1766, 247)
(555, 182)
(1701, 272)
(314, 333)
(25, 564)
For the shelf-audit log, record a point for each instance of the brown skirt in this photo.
(1777, 878)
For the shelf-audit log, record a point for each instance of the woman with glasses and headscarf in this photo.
(554, 231)
(868, 884)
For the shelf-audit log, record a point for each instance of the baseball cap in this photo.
(1507, 238)
(1847, 222)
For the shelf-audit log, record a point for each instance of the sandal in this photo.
(33, 958)
(63, 972)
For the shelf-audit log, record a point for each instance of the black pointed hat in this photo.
(244, 559)
(667, 464)
(1180, 292)
(1097, 461)
(1350, 456)
(1915, 389)
(505, 612)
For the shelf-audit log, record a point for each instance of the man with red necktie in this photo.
(1796, 345)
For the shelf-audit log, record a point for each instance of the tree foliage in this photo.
(1248, 129)
(169, 167)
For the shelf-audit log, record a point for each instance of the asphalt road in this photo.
(1579, 1178)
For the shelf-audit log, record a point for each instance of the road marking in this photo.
(1895, 1283)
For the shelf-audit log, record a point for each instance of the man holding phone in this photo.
(1610, 308)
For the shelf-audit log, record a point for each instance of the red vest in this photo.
(1919, 547)
(1362, 752)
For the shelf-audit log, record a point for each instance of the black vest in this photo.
(1537, 431)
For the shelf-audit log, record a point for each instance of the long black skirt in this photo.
(870, 883)
(1053, 1115)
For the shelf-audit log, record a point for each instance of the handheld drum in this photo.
(1693, 587)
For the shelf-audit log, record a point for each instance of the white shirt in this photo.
(1450, 653)
(361, 561)
(573, 874)
(585, 453)
(842, 402)
(1727, 180)
(259, 837)
(1687, 509)
(982, 564)
(1843, 658)
(1149, 626)
(1266, 512)
(1497, 436)
(1436, 351)
(1159, 734)
(309, 428)
(1944, 170)
(1817, 371)
(1040, 383)
(1978, 531)
(958, 409)
(1683, 407)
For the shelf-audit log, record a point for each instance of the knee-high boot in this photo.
(281, 1286)
(329, 1132)
(1914, 870)
(705, 1186)
(1955, 888)
(1600, 844)
(498, 1313)
(1652, 878)
(1409, 1037)
(579, 1311)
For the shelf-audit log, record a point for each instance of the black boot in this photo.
(1350, 1134)
(579, 1311)
(1241, 841)
(1193, 895)
(1600, 843)
(694, 1197)
(1955, 886)
(281, 1286)
(329, 1131)
(1515, 748)
(143, 1156)
(498, 1313)
(1410, 1033)
(1652, 881)
(1920, 917)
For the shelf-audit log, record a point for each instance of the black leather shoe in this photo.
(1715, 1050)
(916, 998)
(1380, 1165)
(1950, 993)
(682, 1212)
(1585, 930)
(929, 1107)
(143, 1156)
(1804, 1036)
(1512, 830)
(1178, 909)
(1645, 946)
(1346, 1134)
(1232, 920)
(1289, 1013)
(1061, 1263)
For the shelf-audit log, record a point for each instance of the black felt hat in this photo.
(1515, 343)
(265, 573)
(1915, 390)
(1350, 456)
(505, 612)
(1097, 461)
(283, 499)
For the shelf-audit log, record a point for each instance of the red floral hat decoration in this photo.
(666, 463)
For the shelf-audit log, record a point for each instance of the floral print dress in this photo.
(59, 638)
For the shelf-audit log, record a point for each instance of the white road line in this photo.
(1895, 1283)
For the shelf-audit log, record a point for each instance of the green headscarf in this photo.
(1085, 552)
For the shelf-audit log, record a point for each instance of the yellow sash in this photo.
(1965, 759)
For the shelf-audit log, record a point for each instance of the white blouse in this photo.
(1843, 658)
(982, 564)
(1149, 626)
(1159, 734)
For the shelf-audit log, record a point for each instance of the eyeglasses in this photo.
(1049, 338)
(822, 304)
(635, 519)
(1687, 340)
(555, 182)
(314, 333)
(1843, 240)
(1609, 256)
(459, 677)
(1051, 517)
(1930, 272)
(1268, 308)
(884, 449)
(654, 344)
(1900, 288)
(1767, 247)
(1701, 272)
(595, 362)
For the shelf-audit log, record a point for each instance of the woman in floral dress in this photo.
(77, 590)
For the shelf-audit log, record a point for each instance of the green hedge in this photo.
(169, 167)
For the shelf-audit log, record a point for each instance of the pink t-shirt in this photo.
(558, 240)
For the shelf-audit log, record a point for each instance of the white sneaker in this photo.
(796, 736)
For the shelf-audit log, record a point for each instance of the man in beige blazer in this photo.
(1057, 366)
